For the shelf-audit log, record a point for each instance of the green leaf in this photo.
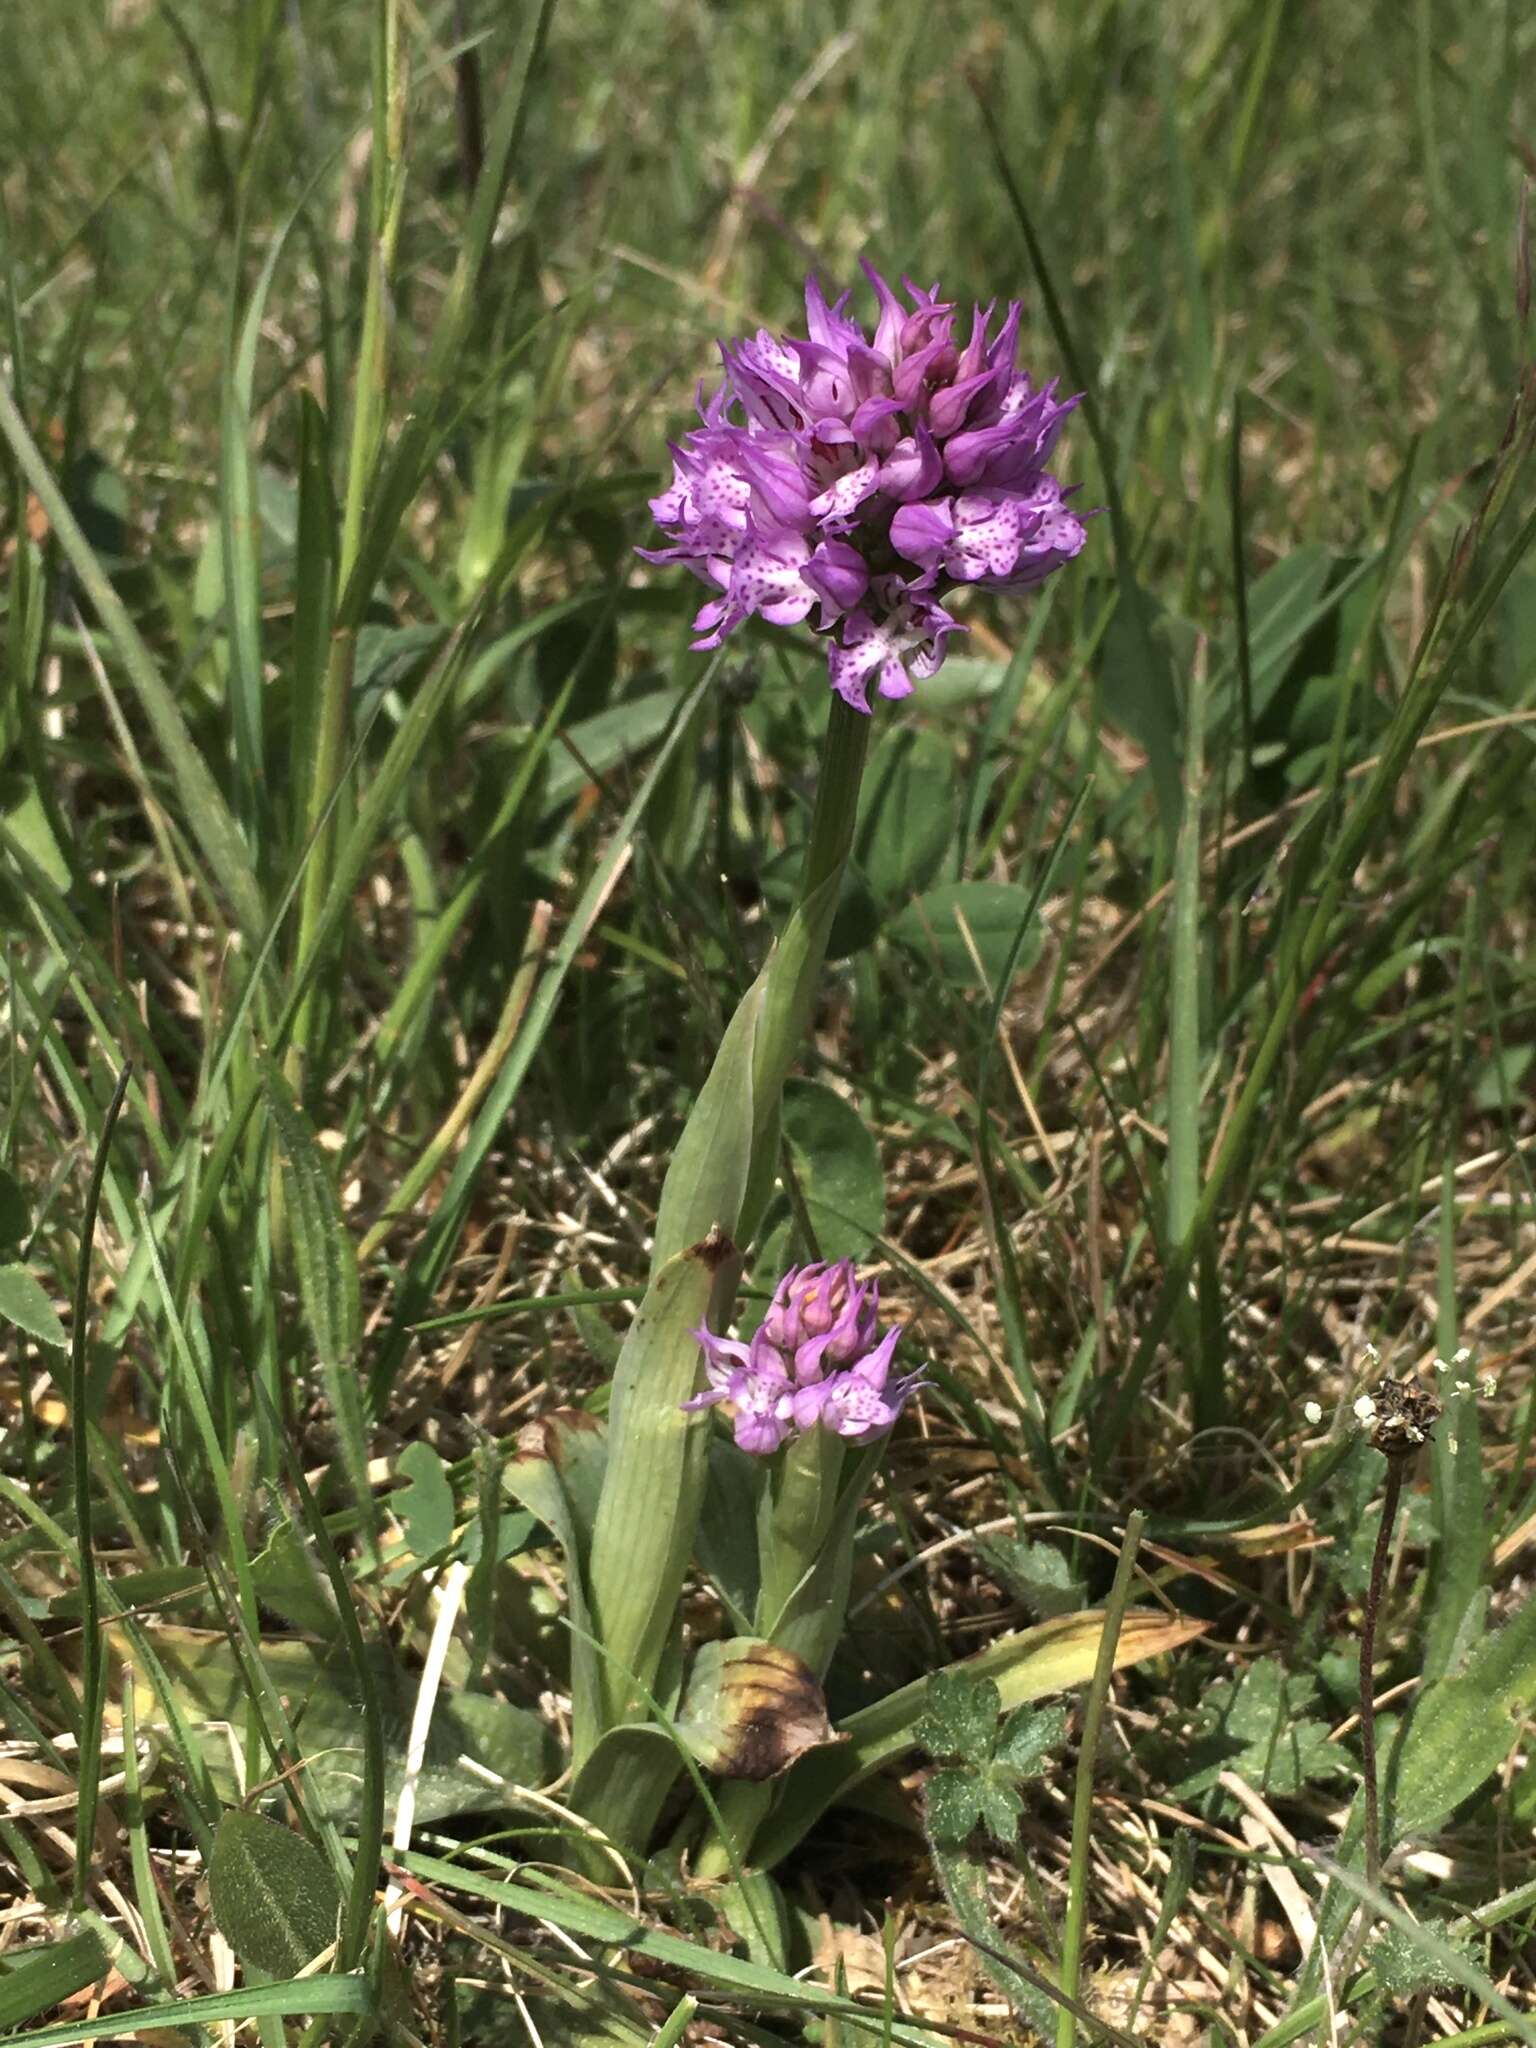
(1282, 606)
(1028, 1736)
(425, 1506)
(287, 1579)
(274, 1897)
(23, 1302)
(315, 1995)
(1000, 1804)
(642, 1541)
(959, 1717)
(327, 1268)
(1136, 677)
(1259, 1728)
(1036, 1574)
(28, 823)
(707, 1179)
(1464, 1727)
(598, 744)
(953, 1803)
(837, 1164)
(727, 1539)
(934, 928)
(908, 811)
(15, 1212)
(41, 1978)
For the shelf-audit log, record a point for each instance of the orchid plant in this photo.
(852, 482)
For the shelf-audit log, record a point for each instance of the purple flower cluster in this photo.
(862, 479)
(816, 1357)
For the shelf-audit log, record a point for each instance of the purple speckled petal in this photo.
(825, 456)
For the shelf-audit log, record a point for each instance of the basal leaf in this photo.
(837, 1164)
(274, 1897)
(935, 928)
(24, 1303)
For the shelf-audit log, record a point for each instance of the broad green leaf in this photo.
(1282, 607)
(274, 1897)
(41, 1978)
(1258, 1726)
(837, 1164)
(1463, 1728)
(556, 1475)
(479, 1749)
(1037, 1574)
(727, 1537)
(642, 1542)
(908, 810)
(23, 1302)
(935, 927)
(601, 742)
(1028, 1736)
(623, 1785)
(952, 1801)
(425, 1506)
(287, 1579)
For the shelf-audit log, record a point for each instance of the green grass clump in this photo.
(378, 868)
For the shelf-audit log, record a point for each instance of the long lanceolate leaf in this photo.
(654, 1488)
(327, 1270)
(207, 813)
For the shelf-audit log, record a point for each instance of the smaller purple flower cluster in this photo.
(862, 478)
(816, 1357)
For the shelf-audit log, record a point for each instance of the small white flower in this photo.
(1442, 1365)
(1463, 1386)
(1460, 1357)
(1313, 1411)
(1372, 1354)
(1451, 1445)
(1365, 1409)
(1490, 1386)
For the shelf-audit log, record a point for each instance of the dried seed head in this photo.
(1405, 1415)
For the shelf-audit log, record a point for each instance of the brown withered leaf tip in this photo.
(771, 1711)
(1406, 1414)
(714, 1249)
(546, 1437)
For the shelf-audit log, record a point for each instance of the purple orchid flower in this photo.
(861, 477)
(817, 1358)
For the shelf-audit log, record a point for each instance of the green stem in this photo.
(795, 970)
(1082, 1800)
(837, 796)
